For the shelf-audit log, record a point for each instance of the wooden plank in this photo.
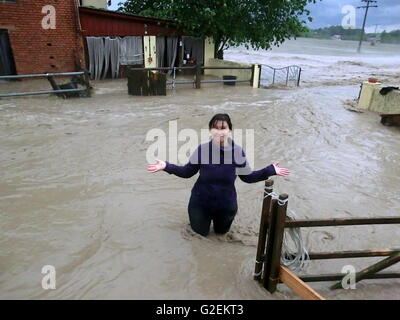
(136, 80)
(391, 260)
(53, 83)
(351, 254)
(339, 276)
(162, 79)
(262, 235)
(298, 286)
(303, 223)
(158, 84)
(56, 87)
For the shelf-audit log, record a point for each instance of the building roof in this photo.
(101, 22)
(123, 15)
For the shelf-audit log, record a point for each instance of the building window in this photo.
(8, 1)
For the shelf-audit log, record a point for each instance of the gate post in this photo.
(276, 248)
(198, 76)
(256, 76)
(262, 235)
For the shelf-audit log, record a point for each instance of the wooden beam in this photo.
(304, 223)
(298, 286)
(56, 87)
(389, 261)
(351, 254)
(339, 276)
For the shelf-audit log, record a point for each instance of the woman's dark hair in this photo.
(220, 117)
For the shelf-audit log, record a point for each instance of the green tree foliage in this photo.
(327, 33)
(391, 37)
(255, 23)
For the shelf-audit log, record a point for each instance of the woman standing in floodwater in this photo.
(213, 196)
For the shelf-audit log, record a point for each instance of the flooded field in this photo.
(75, 194)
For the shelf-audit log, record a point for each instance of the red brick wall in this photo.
(30, 42)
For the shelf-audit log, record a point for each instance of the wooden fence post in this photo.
(198, 76)
(270, 242)
(262, 235)
(86, 80)
(281, 206)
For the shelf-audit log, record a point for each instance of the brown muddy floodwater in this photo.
(75, 193)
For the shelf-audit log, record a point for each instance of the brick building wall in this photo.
(38, 50)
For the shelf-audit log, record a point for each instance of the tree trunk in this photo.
(218, 50)
(220, 54)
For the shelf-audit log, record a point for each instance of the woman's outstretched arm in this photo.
(186, 171)
(249, 176)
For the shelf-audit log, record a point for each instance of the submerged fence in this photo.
(289, 76)
(261, 75)
(64, 90)
(141, 81)
(274, 220)
(197, 75)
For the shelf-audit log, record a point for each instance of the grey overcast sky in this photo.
(329, 12)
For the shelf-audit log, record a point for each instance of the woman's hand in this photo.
(160, 165)
(280, 171)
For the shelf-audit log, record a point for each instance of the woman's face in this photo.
(220, 131)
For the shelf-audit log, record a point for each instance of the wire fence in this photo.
(288, 76)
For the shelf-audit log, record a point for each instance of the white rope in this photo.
(257, 274)
(294, 253)
(282, 202)
(272, 194)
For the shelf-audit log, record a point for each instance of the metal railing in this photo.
(197, 76)
(49, 76)
(286, 75)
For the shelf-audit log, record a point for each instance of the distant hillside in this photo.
(351, 34)
(390, 37)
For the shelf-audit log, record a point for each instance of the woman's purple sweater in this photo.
(219, 166)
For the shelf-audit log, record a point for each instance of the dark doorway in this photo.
(192, 50)
(7, 64)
